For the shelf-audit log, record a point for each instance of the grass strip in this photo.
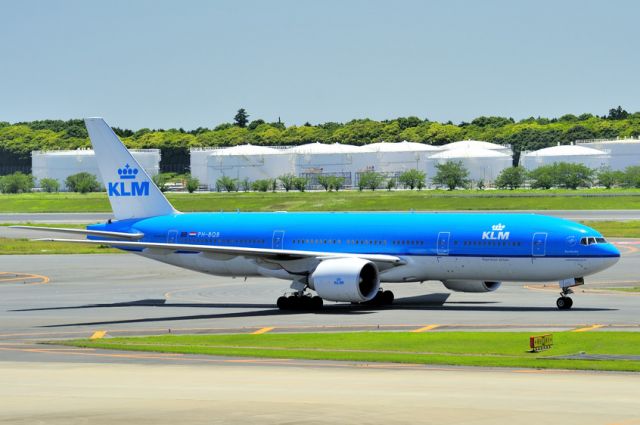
(427, 200)
(488, 349)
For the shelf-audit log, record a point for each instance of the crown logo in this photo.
(498, 227)
(338, 281)
(127, 173)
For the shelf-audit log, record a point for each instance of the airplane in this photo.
(342, 256)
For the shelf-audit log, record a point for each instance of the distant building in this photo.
(61, 164)
(622, 152)
(575, 154)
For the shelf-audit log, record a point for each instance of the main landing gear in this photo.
(299, 301)
(382, 298)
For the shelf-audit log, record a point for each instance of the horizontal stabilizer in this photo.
(104, 233)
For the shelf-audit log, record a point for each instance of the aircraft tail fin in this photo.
(131, 191)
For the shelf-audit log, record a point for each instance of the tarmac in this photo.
(49, 297)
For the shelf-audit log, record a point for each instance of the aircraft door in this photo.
(278, 239)
(539, 244)
(172, 236)
(443, 243)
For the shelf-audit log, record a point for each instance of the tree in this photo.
(370, 180)
(227, 183)
(82, 182)
(262, 185)
(246, 185)
(391, 183)
(49, 185)
(631, 176)
(255, 123)
(192, 183)
(412, 179)
(511, 178)
(451, 174)
(609, 178)
(573, 176)
(288, 181)
(617, 114)
(16, 183)
(300, 183)
(543, 177)
(162, 179)
(325, 181)
(241, 118)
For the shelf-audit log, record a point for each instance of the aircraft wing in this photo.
(264, 253)
(104, 233)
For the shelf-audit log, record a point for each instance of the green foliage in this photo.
(631, 176)
(609, 178)
(162, 179)
(451, 174)
(330, 183)
(288, 181)
(242, 118)
(370, 180)
(82, 183)
(561, 174)
(262, 185)
(511, 178)
(16, 183)
(245, 185)
(300, 183)
(413, 179)
(391, 184)
(227, 183)
(192, 183)
(49, 185)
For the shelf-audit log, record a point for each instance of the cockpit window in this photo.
(592, 240)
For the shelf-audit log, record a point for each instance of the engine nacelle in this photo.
(346, 279)
(471, 285)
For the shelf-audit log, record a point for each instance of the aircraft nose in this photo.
(609, 250)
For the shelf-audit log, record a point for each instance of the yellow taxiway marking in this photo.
(24, 276)
(262, 331)
(98, 335)
(426, 328)
(588, 328)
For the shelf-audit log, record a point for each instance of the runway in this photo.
(46, 297)
(596, 215)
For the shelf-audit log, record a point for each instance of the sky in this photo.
(172, 64)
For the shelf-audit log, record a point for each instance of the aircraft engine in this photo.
(346, 279)
(471, 285)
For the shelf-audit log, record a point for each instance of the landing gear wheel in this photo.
(564, 303)
(299, 302)
(387, 298)
(283, 303)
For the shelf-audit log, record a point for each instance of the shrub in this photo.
(511, 178)
(82, 182)
(451, 174)
(49, 185)
(16, 183)
(288, 181)
(262, 185)
(300, 183)
(370, 180)
(227, 183)
(413, 179)
(192, 183)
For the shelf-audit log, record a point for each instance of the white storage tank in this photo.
(333, 159)
(482, 164)
(623, 153)
(248, 161)
(402, 156)
(61, 164)
(474, 144)
(574, 154)
(198, 158)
